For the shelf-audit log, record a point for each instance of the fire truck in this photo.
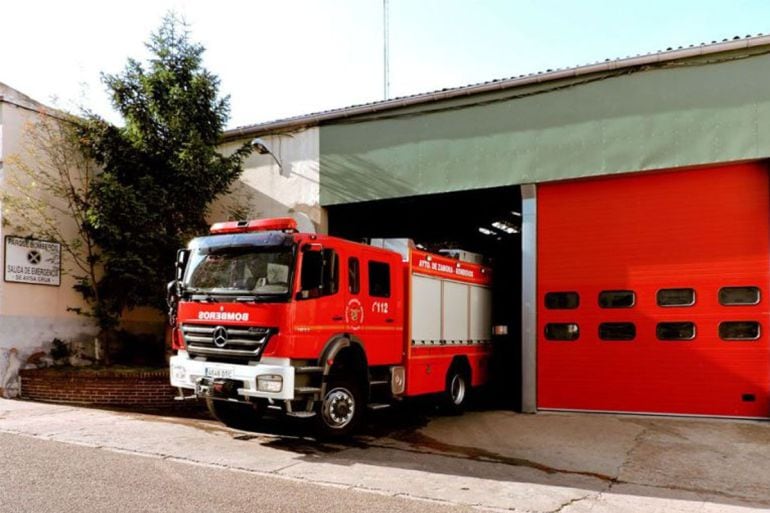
(265, 317)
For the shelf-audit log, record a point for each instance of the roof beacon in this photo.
(286, 224)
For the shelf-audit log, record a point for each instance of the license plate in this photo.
(218, 372)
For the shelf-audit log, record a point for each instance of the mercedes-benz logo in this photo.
(220, 336)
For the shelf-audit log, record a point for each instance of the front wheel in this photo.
(236, 415)
(341, 409)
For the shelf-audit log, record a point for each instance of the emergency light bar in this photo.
(256, 225)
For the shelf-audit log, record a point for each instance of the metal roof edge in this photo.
(22, 101)
(309, 120)
(15, 97)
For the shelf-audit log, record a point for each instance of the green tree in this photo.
(160, 171)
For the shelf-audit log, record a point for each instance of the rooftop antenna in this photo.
(386, 52)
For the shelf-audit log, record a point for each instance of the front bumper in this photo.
(186, 373)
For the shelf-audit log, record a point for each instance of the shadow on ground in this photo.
(714, 462)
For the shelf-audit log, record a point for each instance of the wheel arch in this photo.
(344, 350)
(460, 363)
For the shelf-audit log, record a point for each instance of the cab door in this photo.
(380, 325)
(319, 309)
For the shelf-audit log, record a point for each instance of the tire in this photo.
(341, 409)
(236, 415)
(455, 396)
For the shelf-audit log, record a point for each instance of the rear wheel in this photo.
(236, 415)
(457, 389)
(341, 409)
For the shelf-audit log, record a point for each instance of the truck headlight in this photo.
(269, 383)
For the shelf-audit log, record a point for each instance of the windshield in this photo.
(258, 271)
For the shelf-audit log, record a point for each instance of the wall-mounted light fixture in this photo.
(261, 147)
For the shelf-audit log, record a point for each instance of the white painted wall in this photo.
(31, 316)
(270, 190)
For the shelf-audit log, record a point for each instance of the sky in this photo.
(284, 58)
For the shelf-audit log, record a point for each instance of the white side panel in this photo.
(481, 313)
(426, 309)
(455, 311)
(400, 246)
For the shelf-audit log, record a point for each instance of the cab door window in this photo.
(320, 273)
(354, 275)
(379, 279)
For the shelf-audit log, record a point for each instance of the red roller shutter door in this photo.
(694, 232)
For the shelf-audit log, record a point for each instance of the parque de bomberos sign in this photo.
(32, 261)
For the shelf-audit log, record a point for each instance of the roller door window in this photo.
(673, 331)
(739, 330)
(739, 296)
(562, 331)
(617, 331)
(617, 299)
(562, 300)
(675, 297)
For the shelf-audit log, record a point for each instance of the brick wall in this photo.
(145, 389)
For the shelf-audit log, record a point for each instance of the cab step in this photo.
(378, 382)
(378, 406)
(301, 414)
(185, 397)
(308, 369)
(306, 390)
(182, 397)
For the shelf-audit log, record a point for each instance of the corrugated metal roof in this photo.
(659, 57)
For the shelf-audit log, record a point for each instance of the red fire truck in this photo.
(317, 326)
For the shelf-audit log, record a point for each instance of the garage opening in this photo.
(486, 221)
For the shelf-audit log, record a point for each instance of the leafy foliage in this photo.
(161, 170)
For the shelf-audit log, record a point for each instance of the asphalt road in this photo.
(44, 476)
(56, 458)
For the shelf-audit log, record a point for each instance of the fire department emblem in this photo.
(354, 313)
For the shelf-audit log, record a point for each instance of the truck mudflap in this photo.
(271, 378)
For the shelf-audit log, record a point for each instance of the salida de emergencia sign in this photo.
(32, 261)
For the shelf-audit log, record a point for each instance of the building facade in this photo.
(629, 198)
(38, 303)
(32, 313)
(625, 204)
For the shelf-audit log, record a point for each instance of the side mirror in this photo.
(182, 256)
(172, 293)
(172, 300)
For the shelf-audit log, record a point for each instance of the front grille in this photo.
(224, 343)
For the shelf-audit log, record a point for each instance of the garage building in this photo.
(626, 206)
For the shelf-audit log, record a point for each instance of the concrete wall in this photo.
(268, 190)
(31, 316)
